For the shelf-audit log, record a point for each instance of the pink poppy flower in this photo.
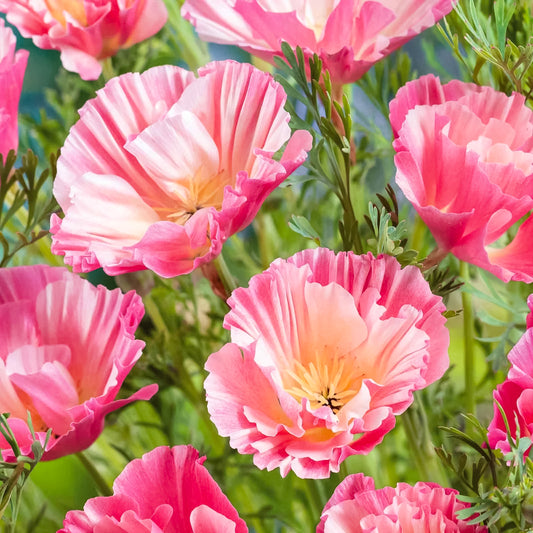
(65, 349)
(348, 35)
(163, 167)
(515, 395)
(85, 31)
(326, 350)
(357, 506)
(12, 68)
(168, 491)
(465, 161)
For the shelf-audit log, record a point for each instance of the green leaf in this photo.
(303, 227)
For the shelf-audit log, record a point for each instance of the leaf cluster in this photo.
(500, 487)
(26, 204)
(13, 476)
(331, 159)
(389, 233)
(499, 37)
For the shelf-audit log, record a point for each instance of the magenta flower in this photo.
(167, 491)
(326, 350)
(85, 31)
(12, 68)
(65, 349)
(357, 507)
(515, 394)
(465, 161)
(348, 35)
(163, 167)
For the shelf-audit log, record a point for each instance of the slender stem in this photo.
(108, 71)
(183, 37)
(225, 275)
(418, 233)
(155, 315)
(343, 471)
(99, 481)
(262, 238)
(468, 343)
(421, 447)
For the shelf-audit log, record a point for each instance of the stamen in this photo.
(314, 382)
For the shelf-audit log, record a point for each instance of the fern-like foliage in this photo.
(27, 203)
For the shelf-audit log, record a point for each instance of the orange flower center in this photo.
(198, 192)
(74, 8)
(331, 384)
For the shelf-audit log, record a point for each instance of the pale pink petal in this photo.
(106, 215)
(206, 520)
(348, 36)
(465, 162)
(314, 394)
(79, 348)
(356, 506)
(189, 161)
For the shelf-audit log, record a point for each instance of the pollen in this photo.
(330, 384)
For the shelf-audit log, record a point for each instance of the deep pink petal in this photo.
(89, 32)
(12, 68)
(169, 490)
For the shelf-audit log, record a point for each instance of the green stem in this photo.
(468, 343)
(183, 38)
(155, 315)
(225, 275)
(343, 470)
(418, 234)
(262, 238)
(108, 71)
(421, 448)
(99, 481)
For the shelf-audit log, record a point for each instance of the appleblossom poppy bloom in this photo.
(326, 350)
(65, 349)
(163, 167)
(348, 35)
(85, 31)
(12, 68)
(168, 491)
(465, 161)
(357, 506)
(515, 394)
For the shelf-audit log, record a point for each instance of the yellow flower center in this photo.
(331, 385)
(74, 8)
(194, 194)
